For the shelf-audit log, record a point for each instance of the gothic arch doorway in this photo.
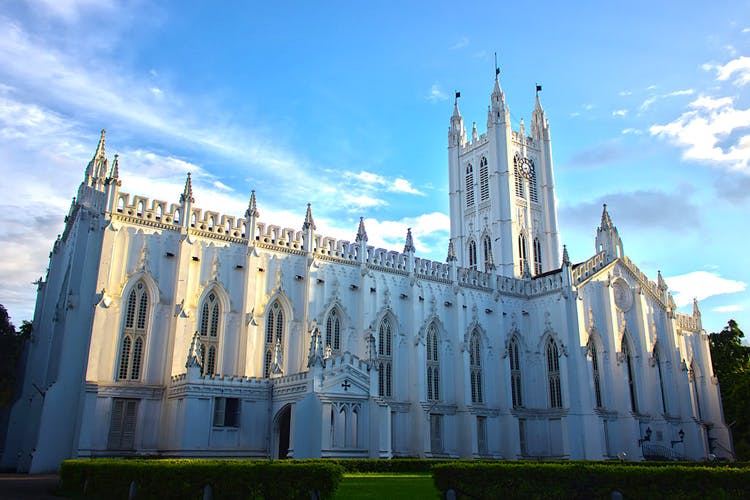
(282, 428)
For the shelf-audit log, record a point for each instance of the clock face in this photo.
(526, 166)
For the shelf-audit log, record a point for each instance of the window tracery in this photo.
(133, 337)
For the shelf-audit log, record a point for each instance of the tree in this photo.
(6, 327)
(731, 364)
(11, 347)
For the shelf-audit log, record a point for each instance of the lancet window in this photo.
(469, 186)
(484, 180)
(475, 367)
(518, 178)
(514, 359)
(385, 359)
(333, 330)
(472, 254)
(274, 335)
(696, 396)
(133, 338)
(487, 251)
(657, 362)
(533, 192)
(595, 373)
(522, 255)
(630, 375)
(210, 318)
(433, 364)
(553, 375)
(537, 257)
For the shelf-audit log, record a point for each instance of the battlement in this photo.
(223, 380)
(647, 284)
(588, 268)
(688, 322)
(335, 362)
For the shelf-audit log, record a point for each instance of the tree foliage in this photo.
(731, 364)
(11, 347)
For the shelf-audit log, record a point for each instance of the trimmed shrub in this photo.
(590, 480)
(187, 478)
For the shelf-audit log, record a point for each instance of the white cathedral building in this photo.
(166, 329)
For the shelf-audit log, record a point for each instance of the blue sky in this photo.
(346, 105)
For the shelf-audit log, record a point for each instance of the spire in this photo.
(187, 193)
(409, 246)
(252, 208)
(566, 257)
(538, 118)
(696, 310)
(606, 221)
(315, 355)
(474, 135)
(361, 233)
(451, 252)
(309, 222)
(115, 172)
(522, 130)
(660, 282)
(456, 132)
(96, 170)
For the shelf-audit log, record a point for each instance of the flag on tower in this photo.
(458, 94)
(538, 88)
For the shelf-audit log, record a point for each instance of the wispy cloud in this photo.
(461, 43)
(375, 182)
(620, 112)
(712, 130)
(656, 97)
(701, 285)
(739, 67)
(728, 308)
(632, 131)
(436, 94)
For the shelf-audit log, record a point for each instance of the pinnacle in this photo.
(187, 193)
(566, 257)
(606, 221)
(309, 222)
(252, 208)
(361, 233)
(409, 247)
(451, 252)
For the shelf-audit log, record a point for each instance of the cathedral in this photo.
(165, 329)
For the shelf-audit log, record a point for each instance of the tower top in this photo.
(309, 222)
(361, 233)
(252, 207)
(187, 193)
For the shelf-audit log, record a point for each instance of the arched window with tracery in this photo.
(472, 254)
(433, 364)
(537, 257)
(385, 359)
(553, 375)
(469, 186)
(274, 335)
(514, 359)
(484, 180)
(475, 367)
(522, 255)
(133, 337)
(333, 330)
(208, 328)
(595, 373)
(629, 374)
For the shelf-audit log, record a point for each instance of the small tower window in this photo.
(469, 186)
(518, 177)
(630, 375)
(487, 251)
(484, 180)
(472, 254)
(533, 192)
(657, 362)
(596, 374)
(537, 257)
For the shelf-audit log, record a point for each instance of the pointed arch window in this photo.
(537, 257)
(595, 373)
(487, 252)
(133, 337)
(630, 374)
(533, 192)
(472, 254)
(385, 359)
(659, 374)
(514, 359)
(475, 367)
(553, 374)
(433, 364)
(518, 178)
(484, 180)
(469, 186)
(522, 255)
(209, 328)
(274, 335)
(333, 330)
(696, 396)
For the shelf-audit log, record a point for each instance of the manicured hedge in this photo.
(590, 480)
(187, 478)
(395, 465)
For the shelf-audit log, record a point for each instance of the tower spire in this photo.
(409, 246)
(451, 252)
(361, 233)
(309, 222)
(606, 222)
(96, 170)
(252, 208)
(607, 238)
(187, 193)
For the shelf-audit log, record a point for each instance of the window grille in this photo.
(472, 254)
(553, 375)
(537, 257)
(433, 365)
(274, 334)
(226, 412)
(596, 374)
(385, 355)
(515, 374)
(333, 331)
(133, 333)
(522, 252)
(469, 186)
(484, 180)
(475, 368)
(209, 332)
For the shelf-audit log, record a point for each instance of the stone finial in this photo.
(451, 252)
(252, 207)
(276, 370)
(474, 134)
(194, 357)
(309, 222)
(606, 222)
(409, 246)
(660, 282)
(100, 152)
(696, 309)
(315, 355)
(566, 257)
(187, 193)
(361, 233)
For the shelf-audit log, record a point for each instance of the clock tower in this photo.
(502, 193)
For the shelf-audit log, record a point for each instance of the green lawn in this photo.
(411, 486)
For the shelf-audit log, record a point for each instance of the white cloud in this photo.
(624, 93)
(222, 186)
(620, 112)
(68, 10)
(366, 177)
(391, 234)
(656, 97)
(362, 201)
(739, 66)
(727, 309)
(705, 129)
(701, 285)
(460, 43)
(436, 94)
(633, 131)
(404, 186)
